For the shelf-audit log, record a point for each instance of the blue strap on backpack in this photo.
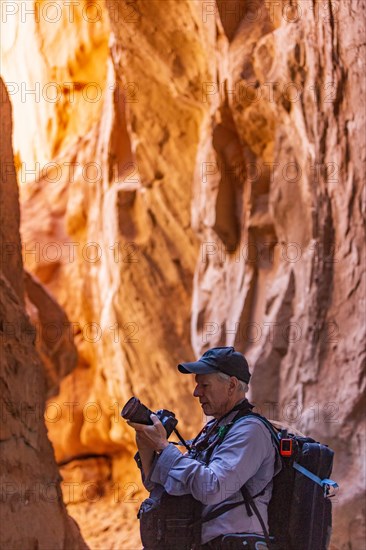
(326, 484)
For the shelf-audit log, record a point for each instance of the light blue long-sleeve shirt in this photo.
(245, 456)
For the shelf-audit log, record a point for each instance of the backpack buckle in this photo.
(286, 444)
(330, 488)
(286, 447)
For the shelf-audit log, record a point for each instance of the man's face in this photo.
(213, 394)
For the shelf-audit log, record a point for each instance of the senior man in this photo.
(233, 450)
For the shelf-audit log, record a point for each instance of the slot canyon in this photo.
(175, 175)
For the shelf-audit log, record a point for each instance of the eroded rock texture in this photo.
(32, 511)
(211, 196)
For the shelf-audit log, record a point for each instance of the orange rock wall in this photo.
(32, 511)
(211, 196)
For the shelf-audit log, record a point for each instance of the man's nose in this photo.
(196, 392)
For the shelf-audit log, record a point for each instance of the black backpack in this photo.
(300, 510)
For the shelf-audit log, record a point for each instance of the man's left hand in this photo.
(153, 437)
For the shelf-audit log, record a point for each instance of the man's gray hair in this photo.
(242, 385)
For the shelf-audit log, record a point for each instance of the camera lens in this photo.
(135, 411)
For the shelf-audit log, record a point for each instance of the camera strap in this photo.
(188, 447)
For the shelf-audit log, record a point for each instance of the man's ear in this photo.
(233, 384)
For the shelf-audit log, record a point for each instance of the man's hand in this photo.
(150, 437)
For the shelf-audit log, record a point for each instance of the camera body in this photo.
(137, 412)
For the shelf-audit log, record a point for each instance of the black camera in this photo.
(135, 411)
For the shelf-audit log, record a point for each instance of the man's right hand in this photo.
(151, 436)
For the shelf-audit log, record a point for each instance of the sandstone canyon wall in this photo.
(33, 514)
(199, 183)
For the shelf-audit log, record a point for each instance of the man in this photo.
(223, 458)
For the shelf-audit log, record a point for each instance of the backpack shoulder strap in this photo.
(250, 504)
